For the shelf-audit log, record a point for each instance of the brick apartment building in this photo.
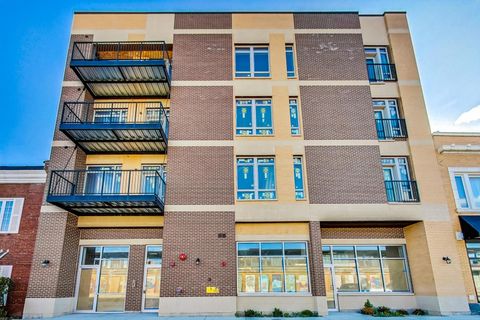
(300, 171)
(458, 156)
(21, 192)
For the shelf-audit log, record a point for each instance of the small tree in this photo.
(6, 285)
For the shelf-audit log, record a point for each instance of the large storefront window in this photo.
(473, 251)
(368, 268)
(272, 267)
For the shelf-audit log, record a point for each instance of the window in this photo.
(398, 184)
(473, 252)
(256, 179)
(6, 272)
(10, 214)
(290, 61)
(387, 119)
(369, 268)
(378, 64)
(252, 62)
(254, 117)
(151, 178)
(272, 267)
(294, 117)
(110, 116)
(153, 270)
(466, 186)
(102, 180)
(298, 178)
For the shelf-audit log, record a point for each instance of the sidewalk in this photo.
(332, 316)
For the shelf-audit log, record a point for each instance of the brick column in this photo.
(136, 263)
(316, 260)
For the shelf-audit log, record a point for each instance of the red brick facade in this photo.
(326, 21)
(21, 244)
(203, 21)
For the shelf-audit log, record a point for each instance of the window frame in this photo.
(396, 167)
(290, 48)
(293, 101)
(376, 56)
(253, 104)
(303, 190)
(17, 211)
(357, 268)
(465, 173)
(252, 73)
(255, 189)
(284, 292)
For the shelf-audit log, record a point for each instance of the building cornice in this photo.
(22, 176)
(459, 148)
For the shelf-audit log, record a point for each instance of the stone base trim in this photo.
(444, 305)
(47, 307)
(354, 302)
(197, 306)
(284, 303)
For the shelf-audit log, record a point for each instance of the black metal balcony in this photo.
(402, 191)
(116, 127)
(390, 129)
(91, 192)
(123, 69)
(380, 72)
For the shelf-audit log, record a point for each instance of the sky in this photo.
(446, 37)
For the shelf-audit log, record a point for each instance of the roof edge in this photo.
(456, 134)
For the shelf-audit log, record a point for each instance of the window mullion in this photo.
(252, 62)
(254, 116)
(255, 177)
(468, 190)
(284, 267)
(3, 205)
(356, 268)
(382, 272)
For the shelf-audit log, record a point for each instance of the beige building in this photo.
(210, 163)
(458, 155)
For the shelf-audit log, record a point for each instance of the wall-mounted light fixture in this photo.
(447, 260)
(197, 261)
(45, 263)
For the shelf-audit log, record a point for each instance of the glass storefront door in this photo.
(473, 251)
(102, 280)
(330, 288)
(151, 286)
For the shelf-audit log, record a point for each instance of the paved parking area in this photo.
(333, 316)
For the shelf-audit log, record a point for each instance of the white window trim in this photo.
(405, 258)
(396, 167)
(255, 189)
(16, 215)
(283, 293)
(254, 126)
(253, 73)
(123, 114)
(377, 54)
(385, 109)
(464, 171)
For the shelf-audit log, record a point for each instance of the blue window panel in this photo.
(264, 120)
(266, 177)
(242, 62)
(290, 62)
(245, 177)
(475, 186)
(267, 195)
(248, 249)
(261, 63)
(244, 120)
(246, 195)
(272, 249)
(7, 215)
(298, 178)
(295, 248)
(294, 118)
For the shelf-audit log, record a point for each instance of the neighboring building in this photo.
(300, 173)
(459, 156)
(21, 192)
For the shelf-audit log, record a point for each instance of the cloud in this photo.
(469, 116)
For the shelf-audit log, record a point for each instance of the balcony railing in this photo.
(402, 191)
(391, 129)
(123, 69)
(108, 191)
(380, 72)
(116, 127)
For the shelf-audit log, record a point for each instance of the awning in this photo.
(470, 227)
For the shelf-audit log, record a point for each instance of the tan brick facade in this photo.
(340, 56)
(204, 111)
(206, 179)
(203, 21)
(194, 234)
(337, 113)
(349, 174)
(215, 51)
